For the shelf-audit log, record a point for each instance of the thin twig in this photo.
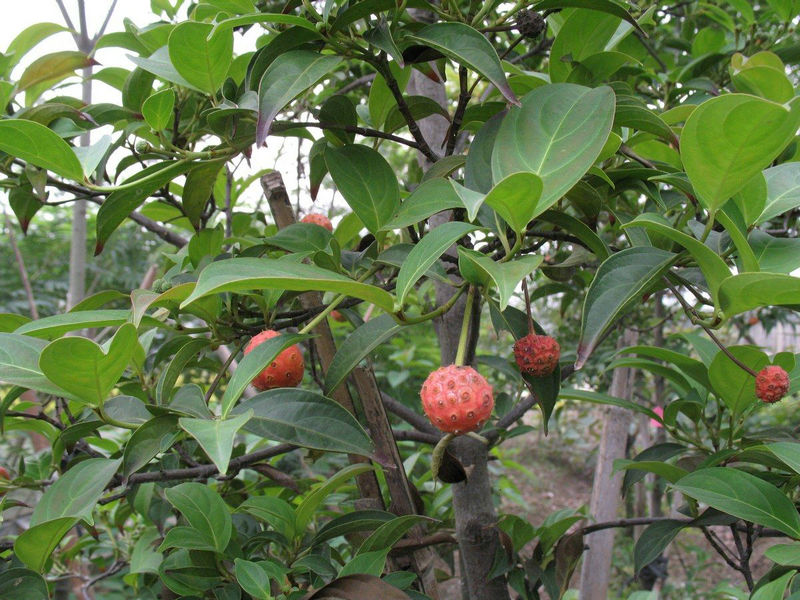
(365, 131)
(23, 272)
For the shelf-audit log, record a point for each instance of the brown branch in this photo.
(455, 125)
(356, 83)
(365, 131)
(414, 419)
(631, 154)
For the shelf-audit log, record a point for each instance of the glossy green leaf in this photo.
(713, 267)
(81, 367)
(516, 199)
(157, 109)
(40, 146)
(76, 492)
(52, 67)
(309, 505)
(788, 452)
(204, 510)
(690, 366)
(748, 291)
(202, 58)
(762, 74)
(729, 139)
(274, 511)
(774, 589)
(370, 563)
(775, 254)
(35, 545)
(357, 346)
(356, 521)
(735, 386)
(604, 399)
(287, 76)
(172, 372)
(557, 134)
(427, 252)
(57, 325)
(17, 582)
(431, 197)
(784, 554)
(389, 533)
(620, 281)
(304, 418)
(469, 48)
(198, 189)
(606, 6)
(654, 540)
(482, 270)
(339, 110)
(744, 496)
(29, 38)
(216, 436)
(746, 257)
(366, 181)
(252, 364)
(783, 190)
(121, 203)
(160, 65)
(19, 364)
(253, 578)
(242, 274)
(151, 438)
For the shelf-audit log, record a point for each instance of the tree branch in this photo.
(365, 131)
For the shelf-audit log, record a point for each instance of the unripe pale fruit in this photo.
(537, 355)
(457, 399)
(772, 384)
(318, 219)
(285, 371)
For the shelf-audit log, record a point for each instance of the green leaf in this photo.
(366, 181)
(185, 537)
(788, 452)
(598, 398)
(19, 364)
(783, 190)
(580, 230)
(160, 65)
(302, 237)
(241, 274)
(289, 75)
(253, 578)
(264, 18)
(690, 366)
(747, 258)
(76, 492)
(274, 511)
(747, 291)
(469, 48)
(713, 267)
(744, 496)
(306, 419)
(356, 521)
(91, 156)
(200, 56)
(653, 540)
(427, 252)
(371, 563)
(774, 589)
(762, 74)
(216, 436)
(52, 67)
(198, 188)
(35, 545)
(557, 134)
(775, 254)
(389, 533)
(338, 110)
(204, 510)
(40, 146)
(17, 582)
(784, 554)
(516, 199)
(735, 386)
(157, 109)
(431, 197)
(80, 366)
(252, 364)
(58, 325)
(620, 281)
(729, 139)
(606, 6)
(121, 203)
(169, 376)
(28, 39)
(154, 436)
(305, 511)
(480, 269)
(357, 346)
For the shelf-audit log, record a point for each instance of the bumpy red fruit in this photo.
(318, 219)
(337, 316)
(4, 473)
(772, 384)
(457, 399)
(537, 355)
(285, 371)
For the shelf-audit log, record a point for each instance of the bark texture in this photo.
(606, 500)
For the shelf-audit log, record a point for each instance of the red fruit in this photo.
(318, 219)
(772, 384)
(752, 321)
(457, 399)
(4, 473)
(285, 371)
(537, 355)
(337, 316)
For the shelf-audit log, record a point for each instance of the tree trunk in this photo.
(478, 539)
(605, 501)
